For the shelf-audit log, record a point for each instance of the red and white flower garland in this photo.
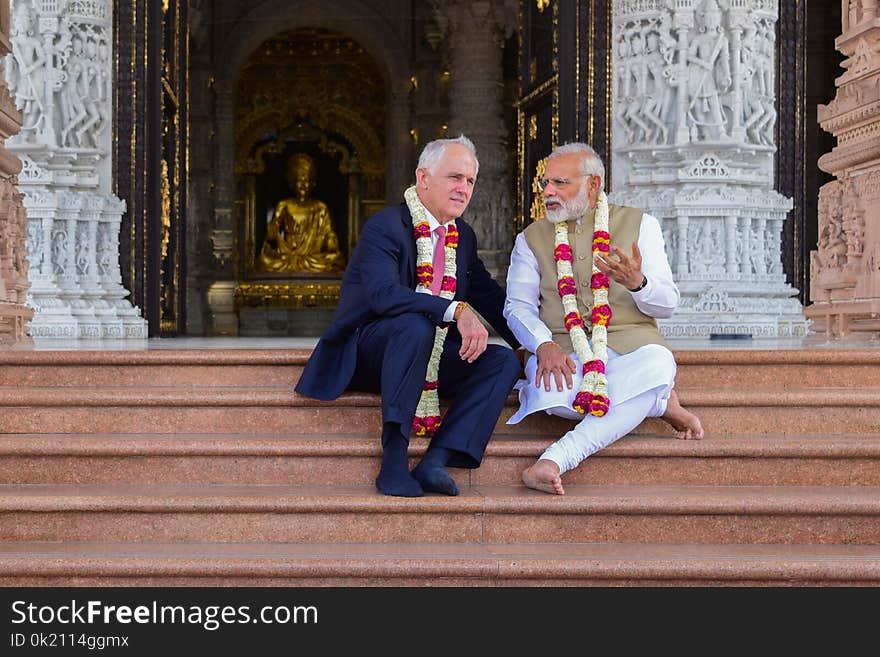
(427, 418)
(593, 394)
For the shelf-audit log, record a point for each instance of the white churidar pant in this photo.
(639, 385)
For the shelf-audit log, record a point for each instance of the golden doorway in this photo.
(310, 167)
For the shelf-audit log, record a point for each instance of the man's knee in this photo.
(505, 360)
(413, 329)
(660, 358)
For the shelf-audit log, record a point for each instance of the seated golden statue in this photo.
(300, 235)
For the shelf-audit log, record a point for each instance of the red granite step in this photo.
(224, 409)
(293, 458)
(483, 513)
(420, 564)
(258, 367)
(215, 367)
(771, 369)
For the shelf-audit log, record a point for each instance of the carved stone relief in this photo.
(60, 75)
(14, 229)
(845, 284)
(693, 145)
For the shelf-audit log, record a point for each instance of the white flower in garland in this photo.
(593, 394)
(427, 419)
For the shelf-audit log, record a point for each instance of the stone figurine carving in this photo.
(24, 72)
(708, 74)
(73, 110)
(300, 235)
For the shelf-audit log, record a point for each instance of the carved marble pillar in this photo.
(14, 284)
(60, 73)
(845, 268)
(476, 32)
(693, 145)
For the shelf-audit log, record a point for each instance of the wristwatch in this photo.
(643, 284)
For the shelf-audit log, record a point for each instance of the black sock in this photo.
(431, 473)
(394, 477)
(437, 456)
(394, 446)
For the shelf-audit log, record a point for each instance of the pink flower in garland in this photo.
(566, 286)
(594, 366)
(563, 252)
(425, 274)
(599, 280)
(573, 319)
(582, 402)
(599, 405)
(422, 230)
(451, 236)
(601, 315)
(427, 425)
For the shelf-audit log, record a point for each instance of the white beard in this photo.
(569, 210)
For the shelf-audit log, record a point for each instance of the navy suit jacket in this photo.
(380, 281)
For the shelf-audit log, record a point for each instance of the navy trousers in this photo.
(392, 358)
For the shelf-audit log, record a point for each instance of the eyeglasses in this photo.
(560, 182)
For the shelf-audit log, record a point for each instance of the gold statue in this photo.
(300, 235)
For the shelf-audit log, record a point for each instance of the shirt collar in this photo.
(433, 224)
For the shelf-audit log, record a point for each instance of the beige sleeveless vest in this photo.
(630, 328)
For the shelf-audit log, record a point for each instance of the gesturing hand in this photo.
(474, 336)
(625, 270)
(555, 363)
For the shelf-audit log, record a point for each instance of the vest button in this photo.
(581, 257)
(586, 283)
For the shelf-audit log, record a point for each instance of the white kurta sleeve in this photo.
(523, 297)
(660, 297)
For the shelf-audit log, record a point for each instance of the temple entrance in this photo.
(310, 167)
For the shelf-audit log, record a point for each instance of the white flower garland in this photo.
(427, 419)
(593, 394)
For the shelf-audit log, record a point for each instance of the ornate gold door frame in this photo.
(317, 92)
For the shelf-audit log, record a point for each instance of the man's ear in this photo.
(422, 177)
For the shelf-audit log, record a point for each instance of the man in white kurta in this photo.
(640, 368)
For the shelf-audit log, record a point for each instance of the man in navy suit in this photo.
(383, 331)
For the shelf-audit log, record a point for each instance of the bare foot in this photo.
(687, 425)
(544, 476)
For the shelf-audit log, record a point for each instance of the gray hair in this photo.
(591, 164)
(435, 150)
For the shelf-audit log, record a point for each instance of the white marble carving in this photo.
(60, 74)
(693, 145)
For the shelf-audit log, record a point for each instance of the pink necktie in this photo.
(439, 259)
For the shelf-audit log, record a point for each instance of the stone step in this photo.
(252, 367)
(224, 409)
(190, 368)
(808, 368)
(482, 514)
(421, 564)
(292, 458)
